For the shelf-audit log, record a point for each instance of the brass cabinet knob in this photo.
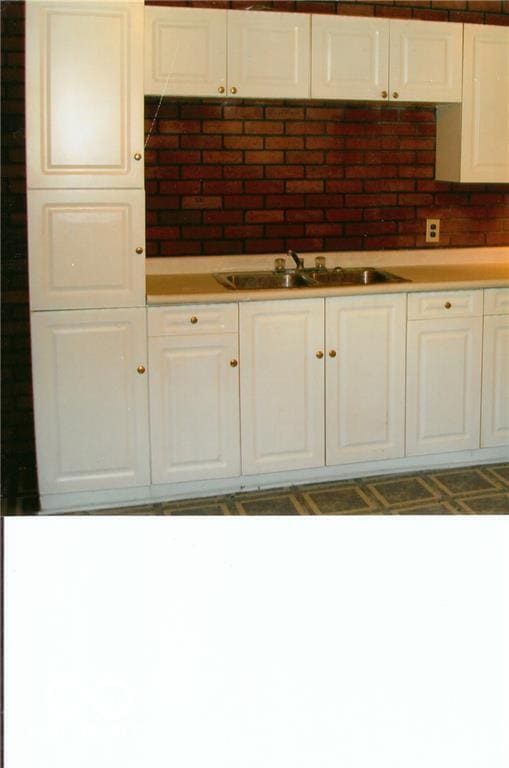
(384, 94)
(233, 89)
(447, 305)
(139, 249)
(319, 354)
(220, 89)
(141, 369)
(395, 95)
(332, 353)
(194, 320)
(234, 363)
(137, 156)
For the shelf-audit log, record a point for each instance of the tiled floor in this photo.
(472, 490)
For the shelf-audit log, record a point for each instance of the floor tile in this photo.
(501, 472)
(465, 481)
(403, 490)
(439, 508)
(489, 504)
(270, 505)
(342, 500)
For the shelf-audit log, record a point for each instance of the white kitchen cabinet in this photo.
(84, 93)
(495, 378)
(444, 348)
(86, 248)
(90, 399)
(365, 59)
(206, 52)
(365, 377)
(282, 385)
(473, 137)
(194, 393)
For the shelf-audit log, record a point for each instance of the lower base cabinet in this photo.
(90, 399)
(365, 378)
(444, 350)
(194, 392)
(495, 381)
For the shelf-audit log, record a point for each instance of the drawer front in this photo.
(422, 306)
(496, 301)
(192, 319)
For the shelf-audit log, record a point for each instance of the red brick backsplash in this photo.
(268, 176)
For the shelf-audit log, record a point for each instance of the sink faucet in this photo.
(298, 261)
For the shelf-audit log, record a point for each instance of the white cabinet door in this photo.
(443, 385)
(268, 54)
(90, 402)
(185, 51)
(350, 58)
(282, 385)
(473, 138)
(86, 248)
(194, 407)
(495, 382)
(425, 61)
(84, 92)
(365, 378)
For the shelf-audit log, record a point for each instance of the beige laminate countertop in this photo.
(202, 287)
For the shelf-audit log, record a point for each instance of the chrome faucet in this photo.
(298, 261)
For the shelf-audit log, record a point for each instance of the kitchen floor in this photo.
(469, 491)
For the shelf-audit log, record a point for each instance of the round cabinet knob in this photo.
(233, 89)
(220, 89)
(139, 249)
(234, 363)
(395, 95)
(137, 156)
(141, 369)
(319, 354)
(447, 305)
(194, 320)
(384, 94)
(332, 353)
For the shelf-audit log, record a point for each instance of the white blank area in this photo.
(260, 642)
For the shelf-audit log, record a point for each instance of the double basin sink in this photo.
(305, 278)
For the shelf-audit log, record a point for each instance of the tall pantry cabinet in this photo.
(85, 178)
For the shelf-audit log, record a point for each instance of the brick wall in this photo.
(199, 202)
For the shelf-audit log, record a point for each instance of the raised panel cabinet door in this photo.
(194, 407)
(185, 51)
(86, 248)
(90, 401)
(365, 378)
(485, 129)
(425, 60)
(268, 54)
(282, 385)
(443, 385)
(84, 94)
(350, 58)
(495, 382)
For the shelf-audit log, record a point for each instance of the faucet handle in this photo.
(280, 265)
(320, 262)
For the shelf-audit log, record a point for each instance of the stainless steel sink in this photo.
(252, 281)
(310, 278)
(352, 276)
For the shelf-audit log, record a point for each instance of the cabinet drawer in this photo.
(496, 301)
(444, 304)
(192, 319)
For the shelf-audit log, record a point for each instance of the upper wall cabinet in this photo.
(356, 58)
(473, 137)
(84, 91)
(204, 52)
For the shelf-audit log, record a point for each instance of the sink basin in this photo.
(311, 278)
(249, 281)
(352, 276)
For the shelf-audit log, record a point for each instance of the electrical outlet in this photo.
(432, 230)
